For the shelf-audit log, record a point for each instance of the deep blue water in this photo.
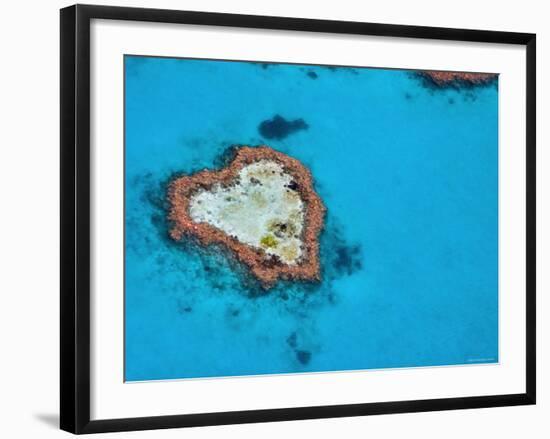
(409, 175)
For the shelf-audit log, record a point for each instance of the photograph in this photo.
(298, 218)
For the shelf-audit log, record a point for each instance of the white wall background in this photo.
(29, 248)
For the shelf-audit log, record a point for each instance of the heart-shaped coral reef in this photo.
(262, 207)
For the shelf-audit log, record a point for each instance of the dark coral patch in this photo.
(266, 65)
(304, 357)
(346, 259)
(333, 69)
(279, 128)
(312, 74)
(184, 308)
(292, 340)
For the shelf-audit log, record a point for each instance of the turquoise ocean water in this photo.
(409, 175)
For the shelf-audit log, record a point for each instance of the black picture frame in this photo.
(75, 218)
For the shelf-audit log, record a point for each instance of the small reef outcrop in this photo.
(262, 207)
(442, 79)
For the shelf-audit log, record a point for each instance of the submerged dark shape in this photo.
(184, 307)
(292, 340)
(280, 128)
(347, 69)
(312, 74)
(346, 259)
(303, 357)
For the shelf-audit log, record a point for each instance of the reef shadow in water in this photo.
(279, 128)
